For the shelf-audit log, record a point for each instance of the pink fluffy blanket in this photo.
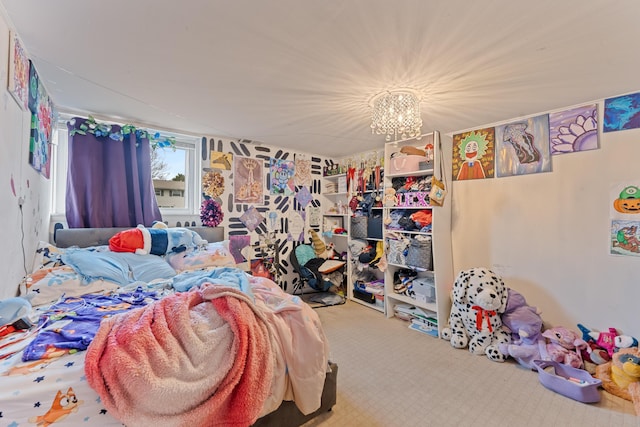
(199, 358)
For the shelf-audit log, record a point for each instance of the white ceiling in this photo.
(300, 73)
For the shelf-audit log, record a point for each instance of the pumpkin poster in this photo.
(624, 206)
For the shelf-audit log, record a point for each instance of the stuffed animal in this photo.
(621, 375)
(155, 241)
(563, 346)
(604, 340)
(525, 325)
(321, 249)
(624, 341)
(389, 199)
(479, 298)
(593, 354)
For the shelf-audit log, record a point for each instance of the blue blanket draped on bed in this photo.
(227, 276)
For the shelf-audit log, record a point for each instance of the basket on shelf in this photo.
(397, 249)
(359, 227)
(419, 253)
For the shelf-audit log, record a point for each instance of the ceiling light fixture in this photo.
(396, 114)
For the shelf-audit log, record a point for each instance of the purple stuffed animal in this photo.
(525, 324)
(564, 346)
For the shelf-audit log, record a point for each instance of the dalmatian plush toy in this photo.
(479, 298)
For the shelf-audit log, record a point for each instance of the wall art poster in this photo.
(624, 208)
(18, 84)
(251, 218)
(302, 175)
(42, 119)
(574, 130)
(314, 216)
(622, 112)
(212, 184)
(474, 154)
(219, 160)
(236, 245)
(296, 226)
(282, 172)
(522, 147)
(625, 238)
(248, 180)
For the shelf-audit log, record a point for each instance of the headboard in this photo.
(84, 237)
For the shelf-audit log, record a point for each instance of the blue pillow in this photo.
(120, 267)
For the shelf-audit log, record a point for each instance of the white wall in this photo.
(16, 251)
(548, 235)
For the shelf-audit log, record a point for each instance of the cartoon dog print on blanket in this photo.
(62, 406)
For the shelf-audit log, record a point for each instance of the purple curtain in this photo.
(109, 182)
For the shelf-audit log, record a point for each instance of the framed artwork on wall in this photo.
(18, 84)
(522, 147)
(474, 154)
(248, 180)
(42, 119)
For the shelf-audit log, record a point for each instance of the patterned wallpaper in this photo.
(283, 212)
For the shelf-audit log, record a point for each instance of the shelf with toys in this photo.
(419, 275)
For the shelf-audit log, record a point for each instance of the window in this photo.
(175, 176)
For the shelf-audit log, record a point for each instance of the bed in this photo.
(182, 338)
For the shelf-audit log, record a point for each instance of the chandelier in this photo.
(396, 114)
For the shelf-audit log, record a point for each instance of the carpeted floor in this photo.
(392, 376)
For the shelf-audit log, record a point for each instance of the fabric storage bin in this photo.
(396, 250)
(419, 252)
(405, 163)
(374, 227)
(359, 227)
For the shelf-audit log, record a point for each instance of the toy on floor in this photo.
(621, 375)
(574, 383)
(564, 346)
(593, 354)
(479, 298)
(525, 325)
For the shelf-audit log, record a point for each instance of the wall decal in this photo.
(474, 154)
(574, 130)
(283, 206)
(522, 147)
(622, 112)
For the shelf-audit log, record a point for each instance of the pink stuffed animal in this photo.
(564, 346)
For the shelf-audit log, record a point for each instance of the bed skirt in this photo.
(288, 415)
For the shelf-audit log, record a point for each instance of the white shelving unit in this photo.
(442, 263)
(336, 214)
